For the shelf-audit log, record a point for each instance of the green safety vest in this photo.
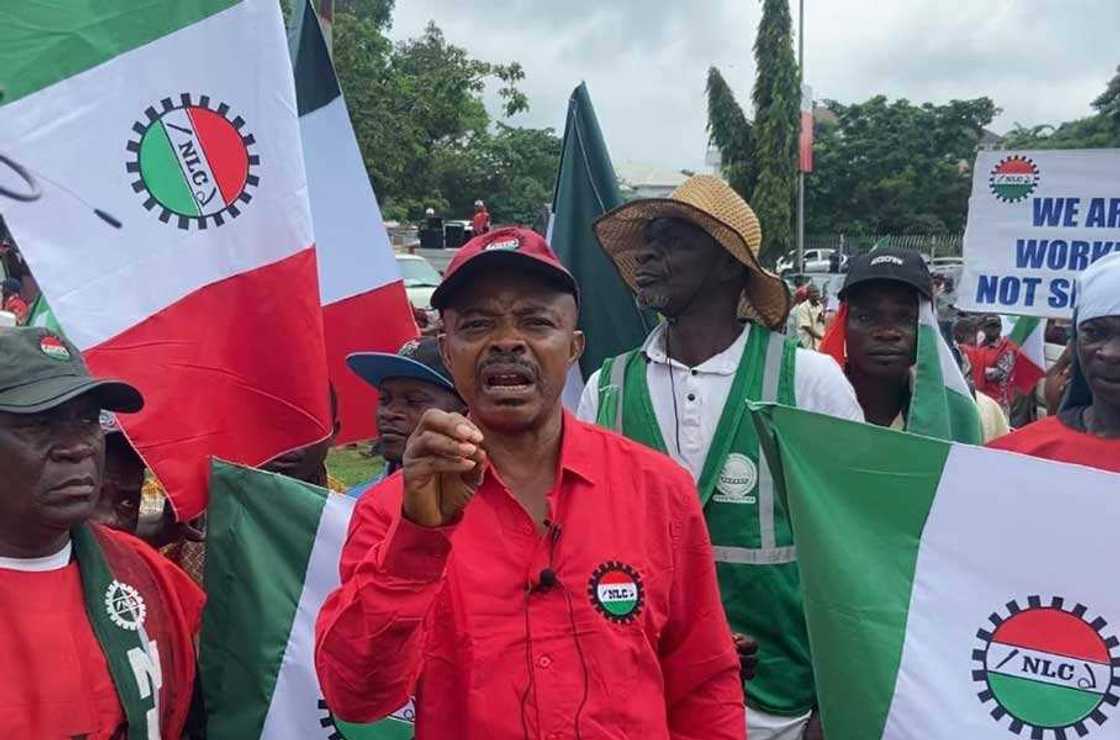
(756, 561)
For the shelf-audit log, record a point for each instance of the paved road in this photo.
(438, 257)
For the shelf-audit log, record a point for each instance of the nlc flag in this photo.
(365, 307)
(951, 592)
(272, 552)
(177, 118)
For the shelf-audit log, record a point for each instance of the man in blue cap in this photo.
(408, 383)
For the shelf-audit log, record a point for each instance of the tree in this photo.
(1101, 130)
(894, 167)
(731, 132)
(511, 169)
(1108, 102)
(417, 109)
(777, 103)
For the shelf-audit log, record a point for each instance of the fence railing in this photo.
(934, 245)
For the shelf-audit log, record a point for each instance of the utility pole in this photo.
(801, 170)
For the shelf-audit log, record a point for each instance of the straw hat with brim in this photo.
(40, 370)
(712, 205)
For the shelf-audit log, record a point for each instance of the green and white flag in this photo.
(586, 188)
(941, 404)
(952, 592)
(272, 552)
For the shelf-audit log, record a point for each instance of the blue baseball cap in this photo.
(418, 359)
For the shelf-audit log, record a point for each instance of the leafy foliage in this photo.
(894, 167)
(777, 103)
(759, 160)
(1099, 130)
(424, 133)
(731, 132)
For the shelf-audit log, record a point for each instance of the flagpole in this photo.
(801, 170)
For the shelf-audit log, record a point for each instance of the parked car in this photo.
(816, 260)
(420, 279)
(829, 284)
(937, 263)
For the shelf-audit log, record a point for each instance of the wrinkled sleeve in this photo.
(370, 632)
(703, 688)
(820, 385)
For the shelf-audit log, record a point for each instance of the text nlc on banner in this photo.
(1036, 219)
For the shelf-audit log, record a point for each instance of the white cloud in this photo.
(645, 63)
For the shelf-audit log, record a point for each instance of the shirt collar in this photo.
(46, 563)
(725, 363)
(577, 453)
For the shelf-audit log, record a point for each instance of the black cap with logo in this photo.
(40, 370)
(888, 263)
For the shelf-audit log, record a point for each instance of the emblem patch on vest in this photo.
(616, 591)
(737, 481)
(125, 606)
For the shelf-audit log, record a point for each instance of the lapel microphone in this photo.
(546, 579)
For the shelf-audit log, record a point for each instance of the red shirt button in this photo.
(544, 661)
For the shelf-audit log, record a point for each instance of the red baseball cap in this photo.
(515, 247)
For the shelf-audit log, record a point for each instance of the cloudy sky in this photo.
(645, 61)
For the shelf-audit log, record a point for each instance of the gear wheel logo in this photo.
(1047, 668)
(616, 591)
(125, 606)
(1014, 178)
(192, 162)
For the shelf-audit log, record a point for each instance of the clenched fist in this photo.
(443, 467)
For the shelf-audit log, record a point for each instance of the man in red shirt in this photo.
(1086, 429)
(97, 628)
(12, 301)
(480, 221)
(994, 362)
(528, 575)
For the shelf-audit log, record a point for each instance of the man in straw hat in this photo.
(693, 257)
(1086, 429)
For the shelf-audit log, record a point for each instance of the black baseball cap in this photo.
(889, 263)
(418, 359)
(40, 369)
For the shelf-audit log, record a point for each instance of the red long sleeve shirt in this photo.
(630, 641)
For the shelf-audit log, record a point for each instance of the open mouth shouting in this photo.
(508, 383)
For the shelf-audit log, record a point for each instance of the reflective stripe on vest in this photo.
(768, 553)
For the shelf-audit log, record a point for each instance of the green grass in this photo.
(349, 465)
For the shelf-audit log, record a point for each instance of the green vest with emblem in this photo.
(750, 531)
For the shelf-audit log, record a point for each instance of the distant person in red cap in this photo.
(480, 221)
(528, 575)
(11, 300)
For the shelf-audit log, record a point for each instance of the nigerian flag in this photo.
(951, 592)
(586, 188)
(272, 550)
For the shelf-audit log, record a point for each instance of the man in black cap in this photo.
(98, 628)
(885, 336)
(408, 384)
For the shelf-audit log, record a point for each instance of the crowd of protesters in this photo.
(464, 577)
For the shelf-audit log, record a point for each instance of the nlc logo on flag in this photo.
(1047, 668)
(194, 162)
